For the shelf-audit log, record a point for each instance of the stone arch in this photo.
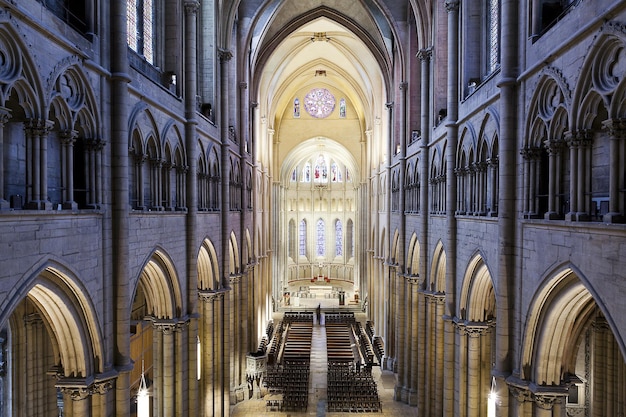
(233, 254)
(477, 300)
(19, 74)
(556, 312)
(70, 316)
(158, 281)
(413, 256)
(438, 270)
(52, 330)
(395, 247)
(208, 267)
(569, 343)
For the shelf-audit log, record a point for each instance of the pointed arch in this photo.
(438, 269)
(158, 282)
(413, 255)
(208, 267)
(477, 300)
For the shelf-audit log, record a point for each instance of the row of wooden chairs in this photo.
(350, 390)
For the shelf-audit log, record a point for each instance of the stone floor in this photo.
(318, 384)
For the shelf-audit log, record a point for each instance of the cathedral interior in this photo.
(312, 207)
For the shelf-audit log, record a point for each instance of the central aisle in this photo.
(318, 381)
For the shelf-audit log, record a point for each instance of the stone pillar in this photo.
(449, 373)
(617, 134)
(42, 133)
(521, 407)
(452, 8)
(461, 378)
(573, 143)
(507, 276)
(39, 399)
(5, 115)
(474, 333)
(67, 140)
(439, 301)
(119, 200)
(585, 139)
(220, 360)
(76, 397)
(549, 404)
(400, 314)
(554, 152)
(207, 346)
(413, 344)
(165, 364)
(493, 182)
(37, 162)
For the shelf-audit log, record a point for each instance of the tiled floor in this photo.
(318, 384)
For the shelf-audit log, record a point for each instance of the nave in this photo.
(327, 355)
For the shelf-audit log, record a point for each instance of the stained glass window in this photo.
(493, 37)
(319, 103)
(321, 238)
(350, 239)
(140, 15)
(335, 173)
(321, 170)
(306, 173)
(338, 238)
(302, 250)
(296, 108)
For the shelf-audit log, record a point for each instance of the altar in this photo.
(320, 291)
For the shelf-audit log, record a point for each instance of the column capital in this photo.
(529, 152)
(76, 388)
(101, 387)
(191, 7)
(546, 401)
(425, 54)
(521, 394)
(207, 296)
(403, 85)
(225, 55)
(5, 115)
(472, 328)
(452, 5)
(615, 127)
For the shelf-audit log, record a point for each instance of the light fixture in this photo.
(492, 399)
(143, 398)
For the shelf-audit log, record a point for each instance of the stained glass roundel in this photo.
(319, 102)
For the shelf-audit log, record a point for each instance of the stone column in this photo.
(140, 159)
(68, 139)
(585, 139)
(439, 301)
(573, 143)
(554, 152)
(414, 282)
(43, 132)
(461, 378)
(617, 134)
(493, 182)
(507, 276)
(449, 372)
(452, 8)
(521, 407)
(221, 359)
(601, 386)
(5, 115)
(120, 205)
(474, 333)
(400, 314)
(207, 346)
(76, 397)
(549, 404)
(38, 400)
(164, 361)
(96, 191)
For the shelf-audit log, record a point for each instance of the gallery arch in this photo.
(571, 360)
(52, 348)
